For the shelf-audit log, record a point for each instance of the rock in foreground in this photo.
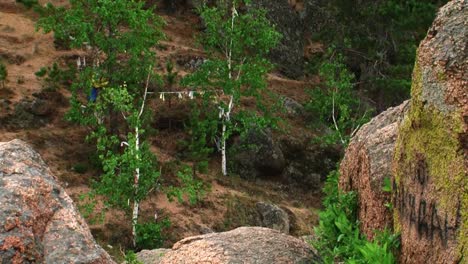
(429, 164)
(38, 221)
(242, 245)
(366, 164)
(431, 156)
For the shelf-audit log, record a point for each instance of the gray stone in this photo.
(289, 54)
(367, 162)
(292, 107)
(257, 154)
(298, 174)
(242, 245)
(38, 221)
(308, 162)
(430, 164)
(152, 256)
(273, 217)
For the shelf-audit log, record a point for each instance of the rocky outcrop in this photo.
(257, 153)
(38, 221)
(289, 54)
(367, 162)
(308, 163)
(292, 107)
(273, 217)
(431, 157)
(294, 161)
(31, 113)
(242, 245)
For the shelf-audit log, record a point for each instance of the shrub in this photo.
(116, 81)
(379, 39)
(150, 235)
(28, 3)
(338, 233)
(194, 189)
(336, 105)
(131, 258)
(3, 74)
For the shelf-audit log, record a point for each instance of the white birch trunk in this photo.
(136, 203)
(226, 116)
(223, 152)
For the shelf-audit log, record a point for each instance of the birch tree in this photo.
(130, 173)
(110, 92)
(238, 43)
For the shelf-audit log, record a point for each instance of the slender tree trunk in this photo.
(223, 152)
(226, 119)
(226, 116)
(136, 202)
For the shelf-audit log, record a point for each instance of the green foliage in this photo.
(194, 189)
(41, 72)
(150, 235)
(238, 44)
(336, 105)
(120, 165)
(80, 168)
(55, 77)
(387, 185)
(338, 233)
(131, 258)
(201, 127)
(28, 3)
(380, 250)
(119, 36)
(379, 39)
(202, 166)
(3, 74)
(87, 205)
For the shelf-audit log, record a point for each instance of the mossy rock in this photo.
(430, 162)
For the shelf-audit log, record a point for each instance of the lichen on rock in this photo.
(430, 163)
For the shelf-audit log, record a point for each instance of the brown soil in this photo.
(62, 145)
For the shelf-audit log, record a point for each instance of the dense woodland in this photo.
(117, 78)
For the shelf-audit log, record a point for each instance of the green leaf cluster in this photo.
(54, 77)
(238, 43)
(150, 235)
(336, 104)
(117, 38)
(190, 187)
(201, 127)
(28, 3)
(338, 235)
(118, 35)
(3, 74)
(379, 39)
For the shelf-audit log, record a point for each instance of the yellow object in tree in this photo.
(99, 82)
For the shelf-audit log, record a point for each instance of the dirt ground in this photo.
(62, 144)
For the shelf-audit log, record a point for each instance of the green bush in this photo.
(201, 127)
(150, 235)
(336, 104)
(379, 39)
(80, 168)
(28, 3)
(3, 74)
(54, 77)
(202, 166)
(131, 258)
(338, 233)
(194, 189)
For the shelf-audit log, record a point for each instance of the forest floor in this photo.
(63, 148)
